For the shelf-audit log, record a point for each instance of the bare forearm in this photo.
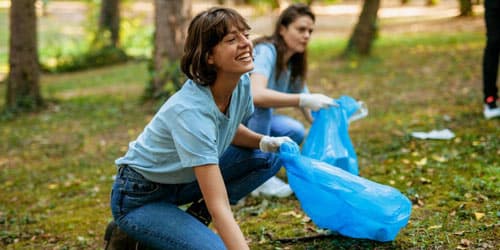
(215, 195)
(229, 231)
(268, 98)
(245, 137)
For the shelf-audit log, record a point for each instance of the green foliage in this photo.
(136, 37)
(56, 166)
(4, 41)
(95, 49)
(171, 78)
(432, 2)
(93, 57)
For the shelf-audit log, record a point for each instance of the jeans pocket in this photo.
(134, 193)
(139, 188)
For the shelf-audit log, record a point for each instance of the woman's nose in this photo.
(244, 41)
(308, 34)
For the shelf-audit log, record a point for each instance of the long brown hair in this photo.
(205, 31)
(299, 60)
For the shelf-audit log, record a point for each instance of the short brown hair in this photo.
(205, 31)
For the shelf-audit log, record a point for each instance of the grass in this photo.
(56, 166)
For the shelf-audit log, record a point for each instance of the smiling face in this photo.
(233, 54)
(217, 42)
(297, 34)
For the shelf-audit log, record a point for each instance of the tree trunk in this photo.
(110, 20)
(466, 8)
(23, 91)
(366, 29)
(171, 22)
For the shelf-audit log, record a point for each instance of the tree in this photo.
(109, 20)
(171, 22)
(466, 8)
(365, 30)
(23, 91)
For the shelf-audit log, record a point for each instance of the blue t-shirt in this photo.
(189, 130)
(265, 56)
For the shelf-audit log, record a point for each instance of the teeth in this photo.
(244, 56)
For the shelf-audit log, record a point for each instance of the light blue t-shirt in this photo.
(188, 130)
(265, 56)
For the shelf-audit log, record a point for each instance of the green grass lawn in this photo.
(56, 166)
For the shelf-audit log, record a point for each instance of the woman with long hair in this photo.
(278, 80)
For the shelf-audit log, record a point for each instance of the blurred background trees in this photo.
(23, 90)
(115, 31)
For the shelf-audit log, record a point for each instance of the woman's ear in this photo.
(282, 30)
(210, 59)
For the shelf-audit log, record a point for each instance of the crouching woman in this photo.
(184, 155)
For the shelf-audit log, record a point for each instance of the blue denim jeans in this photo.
(265, 122)
(148, 211)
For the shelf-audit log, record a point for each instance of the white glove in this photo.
(272, 144)
(315, 102)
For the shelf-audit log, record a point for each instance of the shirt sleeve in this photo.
(264, 59)
(194, 136)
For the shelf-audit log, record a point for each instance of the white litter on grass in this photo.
(444, 134)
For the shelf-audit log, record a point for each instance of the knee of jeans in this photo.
(298, 136)
(296, 133)
(274, 163)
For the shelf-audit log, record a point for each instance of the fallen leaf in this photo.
(483, 197)
(479, 216)
(306, 219)
(420, 202)
(435, 227)
(422, 162)
(465, 242)
(439, 158)
(425, 180)
(292, 213)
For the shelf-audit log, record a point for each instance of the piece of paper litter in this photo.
(444, 134)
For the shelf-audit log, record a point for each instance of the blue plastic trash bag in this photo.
(328, 139)
(339, 201)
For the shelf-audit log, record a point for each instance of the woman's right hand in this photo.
(272, 144)
(315, 102)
